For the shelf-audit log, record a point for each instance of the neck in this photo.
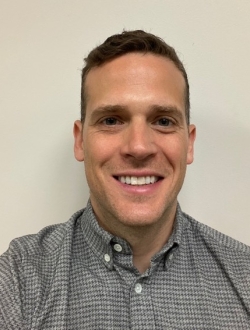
(145, 241)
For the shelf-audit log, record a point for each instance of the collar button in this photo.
(117, 248)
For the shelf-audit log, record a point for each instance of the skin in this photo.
(135, 125)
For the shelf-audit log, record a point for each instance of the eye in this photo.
(110, 121)
(163, 122)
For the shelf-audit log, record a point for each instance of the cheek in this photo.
(99, 150)
(175, 151)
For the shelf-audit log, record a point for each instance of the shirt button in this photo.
(117, 248)
(107, 257)
(170, 257)
(138, 288)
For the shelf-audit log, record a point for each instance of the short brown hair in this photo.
(129, 42)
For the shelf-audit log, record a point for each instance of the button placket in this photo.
(141, 306)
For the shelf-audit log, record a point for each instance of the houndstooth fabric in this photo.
(77, 276)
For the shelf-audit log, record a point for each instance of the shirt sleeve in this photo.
(10, 298)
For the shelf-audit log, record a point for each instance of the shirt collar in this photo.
(100, 241)
(169, 250)
(96, 237)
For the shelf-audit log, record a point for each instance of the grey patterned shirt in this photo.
(77, 276)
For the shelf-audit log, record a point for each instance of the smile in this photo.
(138, 180)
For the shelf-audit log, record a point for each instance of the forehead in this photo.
(135, 74)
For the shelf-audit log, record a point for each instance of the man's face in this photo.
(135, 141)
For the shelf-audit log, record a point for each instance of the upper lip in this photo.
(138, 173)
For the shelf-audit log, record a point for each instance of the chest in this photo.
(174, 298)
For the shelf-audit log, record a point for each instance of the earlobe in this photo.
(191, 139)
(78, 144)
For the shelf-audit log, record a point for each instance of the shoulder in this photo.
(223, 263)
(47, 241)
(210, 244)
(28, 267)
(215, 237)
(212, 248)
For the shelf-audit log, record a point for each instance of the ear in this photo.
(78, 145)
(191, 139)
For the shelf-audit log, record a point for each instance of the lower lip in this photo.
(140, 189)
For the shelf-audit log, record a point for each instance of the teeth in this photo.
(138, 181)
(141, 180)
(133, 180)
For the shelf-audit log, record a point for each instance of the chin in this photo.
(140, 219)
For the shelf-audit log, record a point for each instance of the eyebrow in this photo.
(108, 108)
(168, 110)
(117, 108)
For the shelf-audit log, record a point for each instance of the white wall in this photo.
(43, 43)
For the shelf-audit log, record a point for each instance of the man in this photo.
(131, 259)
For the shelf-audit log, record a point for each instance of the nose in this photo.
(138, 141)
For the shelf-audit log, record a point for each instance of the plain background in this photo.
(43, 43)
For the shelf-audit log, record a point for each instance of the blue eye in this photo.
(110, 121)
(164, 122)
